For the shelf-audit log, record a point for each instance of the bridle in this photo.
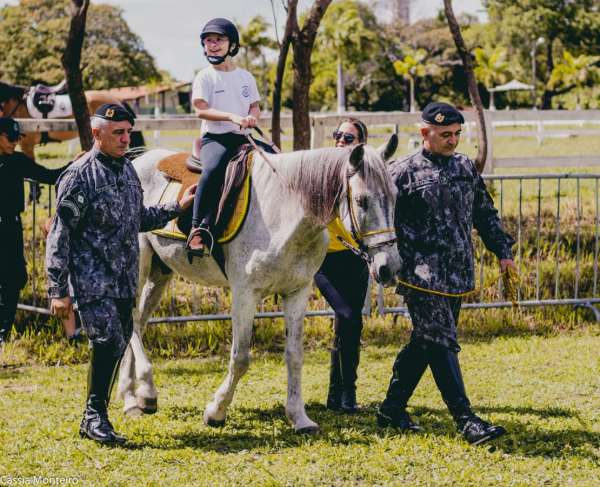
(362, 250)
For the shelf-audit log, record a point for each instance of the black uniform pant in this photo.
(13, 271)
(343, 280)
(433, 343)
(108, 323)
(215, 154)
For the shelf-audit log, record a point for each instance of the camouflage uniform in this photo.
(440, 199)
(92, 249)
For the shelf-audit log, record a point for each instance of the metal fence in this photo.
(554, 219)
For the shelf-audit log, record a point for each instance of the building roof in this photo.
(129, 93)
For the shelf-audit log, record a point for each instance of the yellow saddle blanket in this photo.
(234, 224)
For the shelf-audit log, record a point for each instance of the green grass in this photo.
(545, 391)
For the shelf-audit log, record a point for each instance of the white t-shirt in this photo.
(227, 91)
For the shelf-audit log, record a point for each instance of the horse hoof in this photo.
(133, 412)
(148, 405)
(308, 430)
(214, 423)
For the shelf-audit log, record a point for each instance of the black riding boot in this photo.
(101, 377)
(448, 377)
(334, 396)
(349, 358)
(409, 367)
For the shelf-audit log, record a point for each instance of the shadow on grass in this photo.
(254, 428)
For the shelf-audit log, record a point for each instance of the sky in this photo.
(170, 29)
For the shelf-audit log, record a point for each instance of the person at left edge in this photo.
(14, 168)
(92, 254)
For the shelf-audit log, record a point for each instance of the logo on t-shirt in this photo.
(245, 91)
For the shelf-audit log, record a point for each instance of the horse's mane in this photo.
(319, 177)
(11, 92)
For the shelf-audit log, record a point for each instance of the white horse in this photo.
(278, 250)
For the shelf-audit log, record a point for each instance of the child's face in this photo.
(216, 44)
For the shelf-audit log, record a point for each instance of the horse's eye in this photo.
(362, 202)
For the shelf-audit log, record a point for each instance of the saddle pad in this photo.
(62, 107)
(172, 192)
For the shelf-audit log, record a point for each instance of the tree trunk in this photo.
(467, 61)
(548, 94)
(300, 96)
(411, 82)
(291, 26)
(341, 89)
(71, 60)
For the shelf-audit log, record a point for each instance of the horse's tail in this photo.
(137, 138)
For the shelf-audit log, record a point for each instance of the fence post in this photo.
(318, 133)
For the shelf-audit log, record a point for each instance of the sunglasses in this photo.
(347, 138)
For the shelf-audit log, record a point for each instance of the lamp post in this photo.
(539, 41)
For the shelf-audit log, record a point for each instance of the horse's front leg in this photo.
(294, 306)
(242, 315)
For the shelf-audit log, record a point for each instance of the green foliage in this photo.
(577, 71)
(34, 34)
(491, 67)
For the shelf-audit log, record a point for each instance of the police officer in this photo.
(92, 254)
(441, 197)
(14, 167)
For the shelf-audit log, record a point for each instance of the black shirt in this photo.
(13, 169)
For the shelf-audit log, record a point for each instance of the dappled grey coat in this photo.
(440, 199)
(92, 249)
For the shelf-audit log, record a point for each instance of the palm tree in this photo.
(344, 33)
(491, 68)
(411, 67)
(575, 72)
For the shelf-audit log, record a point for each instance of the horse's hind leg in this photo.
(242, 314)
(294, 306)
(136, 383)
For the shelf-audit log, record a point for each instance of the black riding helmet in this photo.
(226, 28)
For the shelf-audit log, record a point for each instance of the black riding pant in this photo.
(216, 152)
(13, 271)
(343, 280)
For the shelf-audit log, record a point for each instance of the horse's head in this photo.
(368, 208)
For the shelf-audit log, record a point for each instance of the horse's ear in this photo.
(388, 149)
(356, 157)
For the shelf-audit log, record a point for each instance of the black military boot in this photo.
(102, 373)
(409, 367)
(334, 395)
(448, 377)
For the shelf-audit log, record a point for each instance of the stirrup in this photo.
(206, 238)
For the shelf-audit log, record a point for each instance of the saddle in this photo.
(45, 101)
(233, 204)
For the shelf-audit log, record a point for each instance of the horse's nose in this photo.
(382, 269)
(385, 274)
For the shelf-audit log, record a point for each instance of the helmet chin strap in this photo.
(215, 60)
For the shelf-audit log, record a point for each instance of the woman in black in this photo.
(343, 280)
(14, 168)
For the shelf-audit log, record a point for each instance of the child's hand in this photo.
(244, 122)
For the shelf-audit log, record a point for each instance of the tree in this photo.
(573, 25)
(71, 61)
(491, 68)
(465, 55)
(302, 40)
(411, 67)
(345, 32)
(574, 72)
(34, 33)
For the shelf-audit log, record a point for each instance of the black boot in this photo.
(102, 373)
(448, 377)
(334, 396)
(409, 367)
(349, 346)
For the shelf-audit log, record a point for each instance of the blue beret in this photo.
(114, 113)
(438, 113)
(10, 127)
